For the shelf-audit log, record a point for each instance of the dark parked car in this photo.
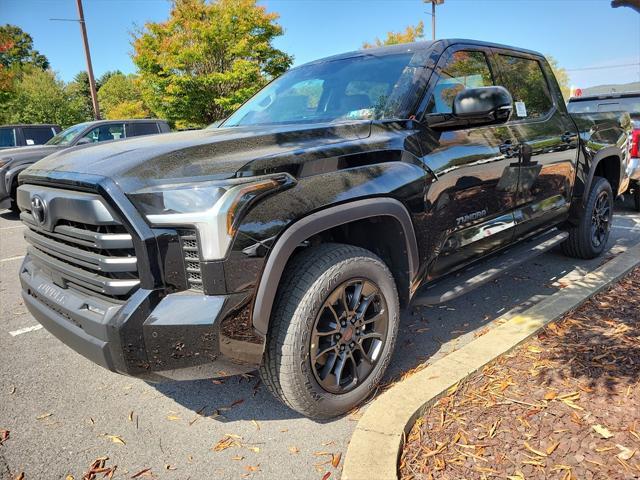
(617, 102)
(15, 160)
(289, 238)
(12, 136)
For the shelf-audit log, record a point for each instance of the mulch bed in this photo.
(563, 405)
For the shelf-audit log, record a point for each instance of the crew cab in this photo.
(13, 136)
(15, 160)
(289, 238)
(617, 102)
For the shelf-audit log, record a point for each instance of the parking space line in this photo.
(15, 333)
(11, 258)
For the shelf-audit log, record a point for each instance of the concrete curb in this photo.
(376, 444)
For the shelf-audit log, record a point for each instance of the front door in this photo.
(469, 207)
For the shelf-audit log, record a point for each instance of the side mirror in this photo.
(475, 107)
(83, 141)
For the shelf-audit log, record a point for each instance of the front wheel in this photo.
(589, 238)
(332, 331)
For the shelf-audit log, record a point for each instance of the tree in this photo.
(80, 93)
(561, 75)
(410, 34)
(16, 49)
(40, 97)
(120, 97)
(207, 58)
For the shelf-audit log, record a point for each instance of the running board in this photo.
(483, 271)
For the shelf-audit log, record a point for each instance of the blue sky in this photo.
(583, 35)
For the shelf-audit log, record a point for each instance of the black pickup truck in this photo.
(290, 238)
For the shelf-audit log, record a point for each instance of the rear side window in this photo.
(7, 137)
(524, 79)
(464, 69)
(37, 135)
(137, 129)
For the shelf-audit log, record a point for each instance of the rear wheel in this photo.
(332, 331)
(589, 238)
(636, 196)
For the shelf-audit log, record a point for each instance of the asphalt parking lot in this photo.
(63, 412)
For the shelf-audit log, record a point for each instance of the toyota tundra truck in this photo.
(289, 239)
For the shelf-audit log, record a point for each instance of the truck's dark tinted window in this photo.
(525, 81)
(37, 135)
(623, 104)
(146, 128)
(7, 137)
(464, 69)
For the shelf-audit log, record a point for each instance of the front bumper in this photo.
(181, 336)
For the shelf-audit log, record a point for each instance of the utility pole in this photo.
(92, 81)
(433, 15)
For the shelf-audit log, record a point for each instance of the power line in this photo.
(603, 67)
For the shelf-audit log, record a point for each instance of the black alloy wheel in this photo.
(601, 219)
(348, 335)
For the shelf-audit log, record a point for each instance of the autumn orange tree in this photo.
(207, 58)
(408, 35)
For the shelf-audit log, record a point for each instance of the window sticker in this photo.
(30, 142)
(521, 109)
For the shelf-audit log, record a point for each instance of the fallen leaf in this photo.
(4, 435)
(131, 416)
(252, 468)
(552, 448)
(173, 417)
(237, 457)
(146, 472)
(335, 459)
(116, 439)
(169, 467)
(516, 476)
(294, 450)
(20, 476)
(12, 390)
(69, 477)
(326, 476)
(254, 449)
(531, 449)
(257, 425)
(534, 349)
(550, 395)
(602, 431)
(224, 443)
(43, 416)
(625, 453)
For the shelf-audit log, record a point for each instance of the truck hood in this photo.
(197, 155)
(32, 153)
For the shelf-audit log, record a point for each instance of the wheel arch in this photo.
(608, 164)
(327, 220)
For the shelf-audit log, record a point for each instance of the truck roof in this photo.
(417, 46)
(22, 125)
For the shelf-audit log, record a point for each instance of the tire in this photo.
(583, 242)
(13, 193)
(636, 196)
(301, 319)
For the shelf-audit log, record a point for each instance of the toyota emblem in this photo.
(38, 210)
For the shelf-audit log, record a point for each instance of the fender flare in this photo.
(597, 158)
(318, 222)
(11, 175)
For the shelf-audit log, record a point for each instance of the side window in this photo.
(37, 135)
(524, 79)
(464, 69)
(142, 128)
(103, 133)
(7, 137)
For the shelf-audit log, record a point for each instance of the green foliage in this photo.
(80, 92)
(16, 49)
(120, 97)
(40, 97)
(410, 34)
(562, 76)
(207, 58)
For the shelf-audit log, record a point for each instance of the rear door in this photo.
(469, 208)
(546, 137)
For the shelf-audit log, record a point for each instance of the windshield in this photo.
(66, 137)
(626, 104)
(356, 88)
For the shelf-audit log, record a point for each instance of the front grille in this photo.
(91, 253)
(189, 243)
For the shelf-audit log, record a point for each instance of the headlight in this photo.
(212, 208)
